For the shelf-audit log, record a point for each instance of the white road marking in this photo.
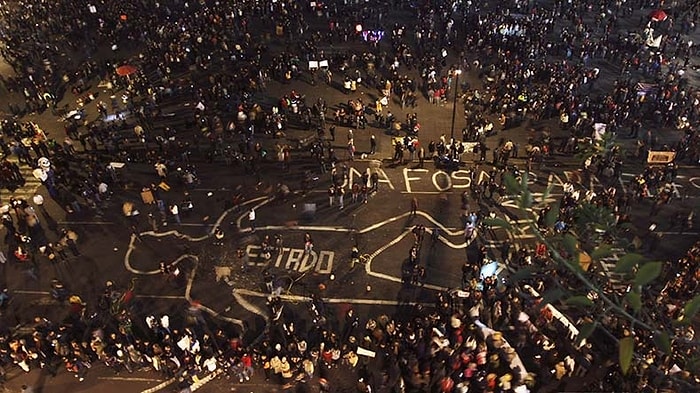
(160, 386)
(86, 223)
(47, 293)
(130, 379)
(28, 292)
(249, 306)
(298, 298)
(195, 386)
(202, 307)
(169, 297)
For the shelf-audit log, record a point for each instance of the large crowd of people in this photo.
(209, 63)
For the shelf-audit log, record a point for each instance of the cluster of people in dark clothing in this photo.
(535, 63)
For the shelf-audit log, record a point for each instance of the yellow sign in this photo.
(660, 157)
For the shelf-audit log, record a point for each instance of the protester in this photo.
(533, 63)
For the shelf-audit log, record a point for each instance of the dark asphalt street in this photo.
(235, 298)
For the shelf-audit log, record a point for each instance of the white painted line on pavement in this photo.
(249, 306)
(160, 386)
(172, 297)
(47, 293)
(265, 201)
(298, 298)
(175, 233)
(408, 214)
(204, 308)
(298, 228)
(28, 292)
(86, 223)
(368, 265)
(130, 379)
(205, 380)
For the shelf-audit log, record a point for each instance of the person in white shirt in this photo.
(251, 219)
(175, 211)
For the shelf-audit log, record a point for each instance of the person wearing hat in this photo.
(510, 354)
(285, 369)
(351, 358)
(267, 367)
(491, 381)
(504, 382)
(251, 220)
(497, 339)
(68, 239)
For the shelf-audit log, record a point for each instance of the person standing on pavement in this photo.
(39, 202)
(372, 144)
(308, 244)
(341, 194)
(331, 195)
(68, 239)
(482, 151)
(251, 220)
(414, 206)
(152, 222)
(351, 150)
(175, 211)
(351, 322)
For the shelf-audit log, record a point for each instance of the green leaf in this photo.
(603, 251)
(663, 341)
(693, 365)
(552, 296)
(512, 186)
(547, 192)
(570, 244)
(626, 226)
(551, 217)
(647, 273)
(497, 222)
(525, 199)
(523, 180)
(579, 301)
(625, 354)
(628, 261)
(585, 331)
(635, 300)
(524, 273)
(691, 308)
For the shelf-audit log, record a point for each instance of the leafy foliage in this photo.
(691, 308)
(626, 352)
(581, 301)
(602, 251)
(647, 273)
(634, 299)
(497, 222)
(585, 331)
(663, 341)
(628, 261)
(593, 230)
